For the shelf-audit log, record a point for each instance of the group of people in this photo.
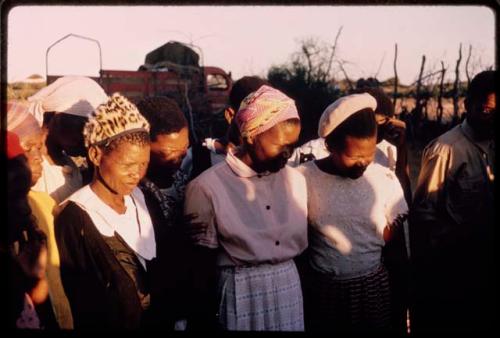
(117, 221)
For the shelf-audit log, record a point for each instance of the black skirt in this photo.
(354, 304)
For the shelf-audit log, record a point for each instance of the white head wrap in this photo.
(341, 109)
(75, 95)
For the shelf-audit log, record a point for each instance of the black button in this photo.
(268, 207)
(277, 242)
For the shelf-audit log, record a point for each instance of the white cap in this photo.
(74, 95)
(341, 109)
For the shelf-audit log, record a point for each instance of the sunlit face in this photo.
(354, 158)
(271, 149)
(481, 115)
(32, 146)
(123, 168)
(168, 151)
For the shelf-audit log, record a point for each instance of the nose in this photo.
(362, 164)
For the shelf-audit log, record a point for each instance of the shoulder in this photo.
(306, 168)
(381, 174)
(70, 221)
(204, 181)
(293, 172)
(69, 210)
(444, 144)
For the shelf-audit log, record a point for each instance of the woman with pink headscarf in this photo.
(256, 209)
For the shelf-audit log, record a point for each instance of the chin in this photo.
(356, 175)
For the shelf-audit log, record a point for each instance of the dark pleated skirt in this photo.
(354, 304)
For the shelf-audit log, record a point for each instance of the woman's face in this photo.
(354, 158)
(271, 149)
(32, 146)
(123, 168)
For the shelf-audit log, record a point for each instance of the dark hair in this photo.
(384, 103)
(20, 217)
(64, 120)
(233, 133)
(481, 85)
(242, 87)
(361, 124)
(140, 138)
(163, 115)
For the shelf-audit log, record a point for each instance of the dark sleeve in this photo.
(85, 294)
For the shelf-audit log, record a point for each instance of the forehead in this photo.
(360, 145)
(127, 151)
(32, 138)
(282, 133)
(176, 139)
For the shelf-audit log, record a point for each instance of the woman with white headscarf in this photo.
(62, 108)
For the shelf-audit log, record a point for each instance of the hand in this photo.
(194, 228)
(395, 132)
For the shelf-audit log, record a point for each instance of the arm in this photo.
(426, 216)
(395, 249)
(202, 253)
(79, 281)
(396, 135)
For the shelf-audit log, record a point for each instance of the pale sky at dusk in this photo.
(248, 40)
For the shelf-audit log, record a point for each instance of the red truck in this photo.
(171, 70)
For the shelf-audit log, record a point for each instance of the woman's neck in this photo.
(114, 201)
(245, 157)
(326, 165)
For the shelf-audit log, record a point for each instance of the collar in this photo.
(472, 136)
(240, 168)
(135, 226)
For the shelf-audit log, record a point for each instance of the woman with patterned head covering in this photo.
(106, 236)
(354, 208)
(62, 108)
(255, 208)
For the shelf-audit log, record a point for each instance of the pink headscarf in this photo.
(263, 109)
(19, 119)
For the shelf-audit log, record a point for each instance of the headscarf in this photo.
(116, 117)
(19, 120)
(341, 109)
(74, 95)
(263, 109)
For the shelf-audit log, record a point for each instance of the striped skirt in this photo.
(266, 297)
(354, 304)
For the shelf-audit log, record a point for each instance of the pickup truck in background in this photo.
(171, 70)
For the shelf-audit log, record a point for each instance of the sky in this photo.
(248, 40)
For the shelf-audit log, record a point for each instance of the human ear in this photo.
(95, 155)
(250, 140)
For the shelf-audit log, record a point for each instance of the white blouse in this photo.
(255, 218)
(348, 217)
